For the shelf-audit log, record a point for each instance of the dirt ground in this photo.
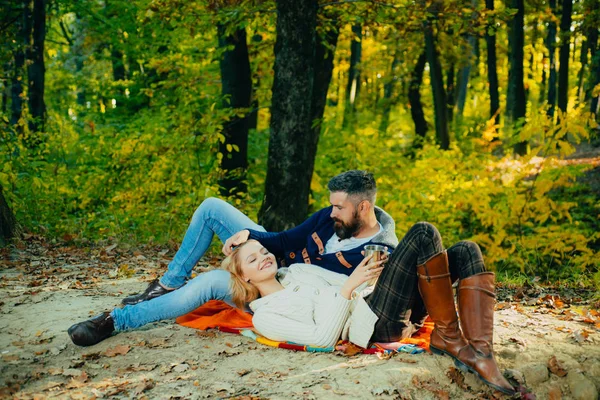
(549, 342)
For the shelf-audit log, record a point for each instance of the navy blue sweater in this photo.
(306, 242)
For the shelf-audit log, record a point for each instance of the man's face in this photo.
(345, 214)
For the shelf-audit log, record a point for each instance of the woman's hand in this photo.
(365, 271)
(237, 239)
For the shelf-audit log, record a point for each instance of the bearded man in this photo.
(331, 238)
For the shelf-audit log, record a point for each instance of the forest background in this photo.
(120, 117)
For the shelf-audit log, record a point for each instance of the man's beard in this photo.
(347, 230)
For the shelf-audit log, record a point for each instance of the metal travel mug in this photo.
(379, 253)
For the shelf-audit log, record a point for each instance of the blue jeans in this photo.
(213, 216)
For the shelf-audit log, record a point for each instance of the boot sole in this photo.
(465, 368)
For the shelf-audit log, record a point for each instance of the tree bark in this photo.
(515, 98)
(324, 53)
(353, 86)
(551, 45)
(19, 73)
(565, 42)
(7, 221)
(414, 99)
(236, 88)
(437, 86)
(291, 146)
(492, 70)
(583, 55)
(450, 93)
(594, 70)
(388, 89)
(118, 66)
(36, 68)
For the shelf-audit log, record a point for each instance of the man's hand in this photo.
(235, 240)
(363, 272)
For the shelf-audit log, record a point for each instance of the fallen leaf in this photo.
(555, 393)
(91, 356)
(457, 377)
(243, 372)
(143, 386)
(10, 357)
(432, 386)
(327, 386)
(351, 349)
(117, 350)
(556, 367)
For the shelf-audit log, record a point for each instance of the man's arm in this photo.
(292, 239)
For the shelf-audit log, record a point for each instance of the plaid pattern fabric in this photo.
(396, 299)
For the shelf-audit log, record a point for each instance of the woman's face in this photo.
(256, 262)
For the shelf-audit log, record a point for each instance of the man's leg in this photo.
(213, 216)
(396, 297)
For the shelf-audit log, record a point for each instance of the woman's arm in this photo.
(323, 330)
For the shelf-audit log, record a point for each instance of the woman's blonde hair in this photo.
(242, 292)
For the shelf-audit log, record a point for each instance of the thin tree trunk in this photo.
(291, 146)
(450, 93)
(388, 89)
(19, 73)
(594, 71)
(118, 66)
(236, 88)
(551, 44)
(7, 221)
(437, 86)
(353, 86)
(465, 71)
(515, 98)
(583, 55)
(36, 68)
(565, 42)
(414, 99)
(324, 53)
(492, 69)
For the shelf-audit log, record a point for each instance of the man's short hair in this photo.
(356, 183)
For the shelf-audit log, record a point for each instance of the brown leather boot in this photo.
(476, 298)
(436, 290)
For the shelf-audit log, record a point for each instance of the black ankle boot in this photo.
(153, 290)
(92, 331)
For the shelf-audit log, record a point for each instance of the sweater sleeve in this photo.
(323, 331)
(292, 239)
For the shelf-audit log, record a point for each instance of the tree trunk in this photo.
(565, 42)
(515, 98)
(437, 87)
(594, 70)
(414, 99)
(353, 86)
(291, 147)
(36, 68)
(236, 89)
(551, 45)
(7, 221)
(583, 55)
(118, 66)
(19, 73)
(388, 89)
(492, 70)
(471, 50)
(324, 53)
(450, 93)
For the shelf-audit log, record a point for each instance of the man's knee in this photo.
(469, 247)
(425, 229)
(212, 285)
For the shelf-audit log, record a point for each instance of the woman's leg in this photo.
(212, 285)
(213, 216)
(395, 299)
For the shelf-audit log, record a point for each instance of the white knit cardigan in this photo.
(311, 310)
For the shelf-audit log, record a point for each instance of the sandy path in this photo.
(165, 360)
